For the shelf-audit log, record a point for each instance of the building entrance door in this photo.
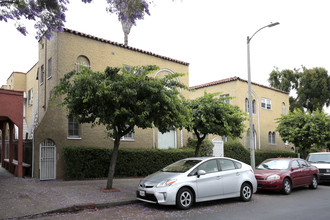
(47, 160)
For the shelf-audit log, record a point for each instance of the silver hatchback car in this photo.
(196, 180)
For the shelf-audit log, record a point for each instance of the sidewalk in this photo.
(28, 197)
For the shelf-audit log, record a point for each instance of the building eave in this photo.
(124, 46)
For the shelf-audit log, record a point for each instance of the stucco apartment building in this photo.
(51, 128)
(267, 105)
(65, 52)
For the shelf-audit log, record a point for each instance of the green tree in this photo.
(210, 114)
(121, 100)
(312, 87)
(305, 130)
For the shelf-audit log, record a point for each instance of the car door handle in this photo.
(237, 174)
(219, 177)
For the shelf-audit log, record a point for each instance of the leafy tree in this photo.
(312, 87)
(50, 14)
(121, 100)
(305, 130)
(211, 115)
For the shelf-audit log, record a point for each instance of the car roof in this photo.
(284, 158)
(207, 158)
(321, 153)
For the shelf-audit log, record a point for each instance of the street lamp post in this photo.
(252, 157)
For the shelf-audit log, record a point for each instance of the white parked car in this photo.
(322, 161)
(196, 180)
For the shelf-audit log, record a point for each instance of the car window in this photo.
(181, 166)
(238, 165)
(209, 166)
(274, 164)
(318, 158)
(226, 164)
(303, 164)
(295, 164)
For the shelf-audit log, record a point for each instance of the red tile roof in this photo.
(124, 46)
(233, 79)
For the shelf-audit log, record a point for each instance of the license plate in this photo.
(142, 193)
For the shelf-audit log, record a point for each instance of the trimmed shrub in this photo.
(235, 150)
(93, 162)
(206, 148)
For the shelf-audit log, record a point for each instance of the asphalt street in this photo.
(301, 204)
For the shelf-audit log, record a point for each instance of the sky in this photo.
(211, 35)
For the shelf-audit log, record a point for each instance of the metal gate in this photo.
(47, 160)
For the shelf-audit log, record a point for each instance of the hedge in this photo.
(236, 150)
(93, 162)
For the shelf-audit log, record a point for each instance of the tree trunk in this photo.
(199, 143)
(126, 39)
(113, 163)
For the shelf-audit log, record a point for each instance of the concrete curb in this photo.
(77, 208)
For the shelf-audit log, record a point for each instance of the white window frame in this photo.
(266, 104)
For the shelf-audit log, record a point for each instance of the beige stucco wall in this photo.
(16, 81)
(263, 120)
(31, 83)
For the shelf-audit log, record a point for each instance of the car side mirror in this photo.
(294, 168)
(201, 172)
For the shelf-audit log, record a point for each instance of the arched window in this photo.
(82, 61)
(247, 105)
(283, 108)
(271, 137)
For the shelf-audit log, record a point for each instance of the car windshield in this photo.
(181, 166)
(319, 158)
(274, 165)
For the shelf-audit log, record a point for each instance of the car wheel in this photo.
(287, 187)
(184, 198)
(314, 183)
(246, 192)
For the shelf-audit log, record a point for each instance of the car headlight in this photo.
(274, 177)
(166, 183)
